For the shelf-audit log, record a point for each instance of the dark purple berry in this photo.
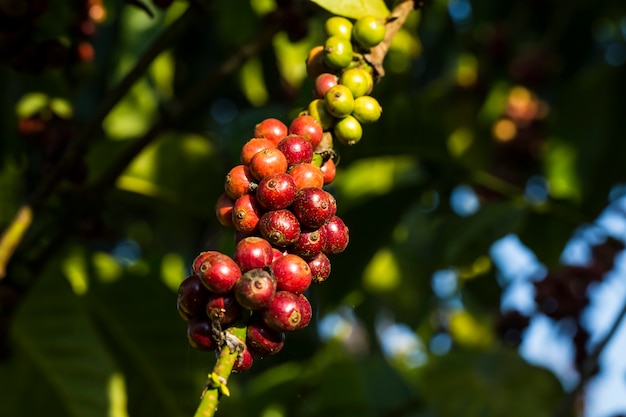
(223, 308)
(312, 207)
(192, 295)
(243, 362)
(200, 335)
(255, 289)
(264, 340)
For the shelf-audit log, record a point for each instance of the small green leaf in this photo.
(354, 8)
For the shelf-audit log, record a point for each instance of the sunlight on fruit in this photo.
(383, 272)
(291, 58)
(560, 166)
(253, 83)
(466, 330)
(173, 267)
(467, 70)
(459, 141)
(74, 268)
(106, 267)
(504, 130)
(117, 396)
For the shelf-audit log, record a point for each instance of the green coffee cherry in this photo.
(366, 109)
(338, 26)
(348, 130)
(317, 109)
(358, 81)
(337, 52)
(368, 31)
(339, 101)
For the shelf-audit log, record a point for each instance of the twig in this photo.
(20, 224)
(589, 366)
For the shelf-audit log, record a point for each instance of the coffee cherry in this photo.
(191, 297)
(323, 83)
(223, 308)
(348, 130)
(200, 334)
(337, 52)
(333, 203)
(243, 362)
(306, 175)
(317, 109)
(272, 129)
(368, 31)
(246, 214)
(358, 81)
(224, 210)
(329, 170)
(239, 181)
(307, 127)
(320, 268)
(297, 149)
(292, 274)
(336, 236)
(280, 227)
(308, 245)
(312, 207)
(339, 101)
(338, 26)
(276, 191)
(284, 312)
(306, 312)
(277, 253)
(367, 109)
(263, 339)
(315, 64)
(267, 162)
(219, 273)
(200, 258)
(253, 252)
(251, 147)
(255, 289)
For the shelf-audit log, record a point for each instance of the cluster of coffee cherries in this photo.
(343, 78)
(286, 228)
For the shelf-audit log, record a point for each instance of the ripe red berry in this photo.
(244, 361)
(284, 312)
(306, 175)
(251, 147)
(267, 162)
(276, 191)
(200, 335)
(309, 244)
(307, 127)
(246, 213)
(329, 170)
(323, 83)
(276, 254)
(320, 268)
(202, 256)
(222, 308)
(280, 227)
(292, 274)
(224, 210)
(219, 273)
(312, 207)
(272, 129)
(336, 236)
(253, 252)
(296, 149)
(305, 310)
(333, 203)
(239, 181)
(255, 289)
(263, 339)
(191, 297)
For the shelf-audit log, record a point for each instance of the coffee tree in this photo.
(294, 208)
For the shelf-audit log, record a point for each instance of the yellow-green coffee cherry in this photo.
(348, 130)
(358, 81)
(317, 109)
(339, 101)
(366, 109)
(337, 52)
(338, 26)
(368, 31)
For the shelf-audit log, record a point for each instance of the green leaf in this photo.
(354, 8)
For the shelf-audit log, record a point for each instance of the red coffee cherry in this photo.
(191, 298)
(307, 127)
(246, 213)
(276, 191)
(200, 334)
(312, 207)
(219, 273)
(244, 361)
(323, 83)
(263, 339)
(296, 149)
(255, 289)
(320, 268)
(329, 170)
(267, 162)
(333, 203)
(284, 312)
(224, 210)
(239, 181)
(309, 244)
(251, 147)
(223, 308)
(272, 129)
(280, 227)
(292, 274)
(253, 252)
(336, 236)
(306, 311)
(306, 175)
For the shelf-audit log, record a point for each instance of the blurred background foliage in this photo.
(499, 118)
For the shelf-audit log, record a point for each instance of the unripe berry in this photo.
(368, 31)
(255, 289)
(251, 147)
(267, 162)
(348, 130)
(367, 109)
(297, 149)
(263, 339)
(337, 52)
(238, 182)
(276, 191)
(338, 26)
(219, 273)
(315, 64)
(312, 207)
(224, 210)
(307, 127)
(223, 308)
(358, 81)
(284, 312)
(320, 268)
(317, 109)
(191, 297)
(200, 335)
(336, 236)
(292, 274)
(253, 252)
(280, 227)
(306, 175)
(339, 101)
(272, 129)
(246, 214)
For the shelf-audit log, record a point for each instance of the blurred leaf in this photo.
(354, 8)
